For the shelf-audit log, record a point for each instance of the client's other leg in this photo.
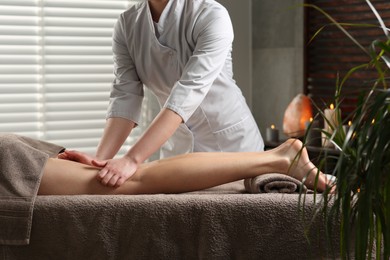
(183, 173)
(198, 171)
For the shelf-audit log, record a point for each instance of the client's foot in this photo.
(299, 165)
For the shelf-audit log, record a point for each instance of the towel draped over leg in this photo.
(22, 160)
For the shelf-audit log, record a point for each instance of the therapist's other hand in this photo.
(76, 156)
(115, 171)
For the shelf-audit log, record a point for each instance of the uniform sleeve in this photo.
(214, 36)
(127, 91)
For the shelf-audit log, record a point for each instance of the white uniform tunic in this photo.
(187, 64)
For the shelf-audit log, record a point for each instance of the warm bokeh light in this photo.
(331, 106)
(349, 123)
(272, 126)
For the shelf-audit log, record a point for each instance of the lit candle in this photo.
(346, 127)
(330, 120)
(272, 134)
(330, 123)
(308, 123)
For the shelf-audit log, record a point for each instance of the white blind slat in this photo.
(69, 59)
(77, 97)
(75, 22)
(19, 127)
(77, 13)
(75, 124)
(19, 50)
(24, 3)
(19, 108)
(69, 134)
(18, 30)
(82, 87)
(18, 88)
(18, 20)
(19, 10)
(20, 40)
(77, 41)
(32, 78)
(79, 50)
(120, 5)
(71, 31)
(15, 98)
(19, 117)
(78, 78)
(19, 59)
(77, 106)
(71, 115)
(79, 69)
(18, 69)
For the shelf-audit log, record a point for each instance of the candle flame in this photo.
(349, 123)
(311, 119)
(331, 106)
(373, 121)
(272, 126)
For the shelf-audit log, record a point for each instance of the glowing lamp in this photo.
(297, 115)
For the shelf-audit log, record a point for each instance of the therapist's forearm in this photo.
(115, 133)
(159, 131)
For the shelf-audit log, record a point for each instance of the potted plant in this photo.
(361, 200)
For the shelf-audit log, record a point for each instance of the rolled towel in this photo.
(274, 183)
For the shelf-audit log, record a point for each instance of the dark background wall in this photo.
(278, 51)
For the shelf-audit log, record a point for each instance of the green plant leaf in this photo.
(382, 24)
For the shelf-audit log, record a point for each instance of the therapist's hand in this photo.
(76, 156)
(115, 171)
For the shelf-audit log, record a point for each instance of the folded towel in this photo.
(274, 183)
(21, 166)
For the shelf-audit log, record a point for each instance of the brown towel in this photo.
(273, 183)
(21, 163)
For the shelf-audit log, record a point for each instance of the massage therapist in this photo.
(181, 51)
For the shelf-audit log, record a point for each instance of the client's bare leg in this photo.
(183, 173)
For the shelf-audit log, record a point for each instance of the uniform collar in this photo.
(166, 16)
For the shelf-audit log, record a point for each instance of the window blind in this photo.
(332, 53)
(56, 69)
